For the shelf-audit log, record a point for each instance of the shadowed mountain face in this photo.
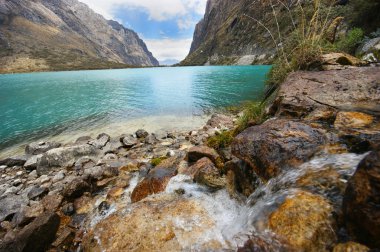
(40, 35)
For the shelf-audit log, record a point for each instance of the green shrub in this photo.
(351, 41)
(254, 113)
(156, 161)
(220, 141)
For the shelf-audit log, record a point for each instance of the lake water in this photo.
(42, 105)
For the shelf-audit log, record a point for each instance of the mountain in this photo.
(169, 62)
(226, 35)
(37, 35)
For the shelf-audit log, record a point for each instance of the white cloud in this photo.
(158, 10)
(165, 49)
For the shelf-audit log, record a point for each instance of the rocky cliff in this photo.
(64, 34)
(227, 34)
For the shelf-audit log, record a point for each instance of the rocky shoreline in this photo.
(291, 178)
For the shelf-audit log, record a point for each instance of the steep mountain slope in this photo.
(64, 34)
(226, 35)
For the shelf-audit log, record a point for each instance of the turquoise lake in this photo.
(38, 105)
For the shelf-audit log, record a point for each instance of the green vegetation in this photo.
(350, 42)
(221, 140)
(156, 161)
(253, 114)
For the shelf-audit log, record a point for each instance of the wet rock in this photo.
(277, 144)
(37, 192)
(36, 236)
(14, 161)
(141, 133)
(63, 157)
(220, 121)
(155, 182)
(68, 209)
(350, 247)
(240, 178)
(324, 114)
(355, 89)
(40, 147)
(115, 192)
(258, 244)
(31, 163)
(362, 200)
(103, 207)
(76, 188)
(161, 223)
(198, 152)
(350, 120)
(11, 205)
(207, 174)
(305, 221)
(52, 202)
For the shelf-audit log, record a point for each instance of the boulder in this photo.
(204, 172)
(100, 141)
(129, 141)
(151, 139)
(11, 205)
(305, 221)
(198, 152)
(76, 188)
(240, 178)
(141, 133)
(362, 200)
(14, 161)
(63, 157)
(349, 120)
(277, 144)
(350, 247)
(37, 192)
(220, 121)
(354, 89)
(32, 162)
(160, 223)
(155, 182)
(338, 61)
(36, 236)
(40, 147)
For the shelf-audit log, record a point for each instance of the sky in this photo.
(166, 26)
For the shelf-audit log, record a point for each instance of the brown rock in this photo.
(348, 120)
(83, 204)
(155, 182)
(338, 61)
(52, 202)
(220, 121)
(355, 89)
(36, 236)
(152, 225)
(115, 192)
(305, 221)
(76, 188)
(350, 247)
(362, 200)
(276, 145)
(205, 172)
(240, 178)
(198, 152)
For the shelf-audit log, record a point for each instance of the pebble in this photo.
(17, 182)
(59, 176)
(33, 175)
(3, 167)
(44, 179)
(170, 153)
(19, 173)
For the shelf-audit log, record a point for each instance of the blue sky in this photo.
(166, 26)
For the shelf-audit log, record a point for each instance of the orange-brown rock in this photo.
(362, 200)
(276, 145)
(160, 223)
(115, 192)
(348, 120)
(338, 61)
(350, 247)
(205, 173)
(155, 182)
(305, 221)
(197, 152)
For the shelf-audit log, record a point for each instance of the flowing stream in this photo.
(236, 221)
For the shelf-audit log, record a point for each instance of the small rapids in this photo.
(230, 222)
